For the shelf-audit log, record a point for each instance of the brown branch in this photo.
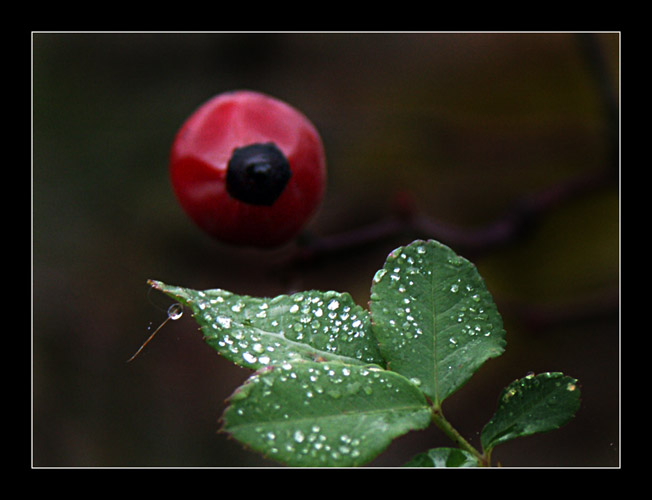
(517, 221)
(513, 225)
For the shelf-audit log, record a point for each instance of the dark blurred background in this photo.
(467, 124)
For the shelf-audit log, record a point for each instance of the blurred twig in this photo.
(504, 230)
(518, 220)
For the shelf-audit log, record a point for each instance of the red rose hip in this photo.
(248, 169)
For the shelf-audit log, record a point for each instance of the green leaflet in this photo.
(335, 383)
(434, 318)
(324, 414)
(530, 405)
(443, 457)
(256, 332)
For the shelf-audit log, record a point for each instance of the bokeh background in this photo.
(465, 123)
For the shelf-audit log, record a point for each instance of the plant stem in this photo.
(446, 427)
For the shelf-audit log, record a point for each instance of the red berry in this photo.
(248, 169)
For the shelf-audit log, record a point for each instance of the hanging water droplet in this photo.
(175, 311)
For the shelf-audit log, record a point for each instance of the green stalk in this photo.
(446, 427)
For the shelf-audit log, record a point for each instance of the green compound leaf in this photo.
(530, 405)
(324, 414)
(255, 332)
(443, 457)
(434, 319)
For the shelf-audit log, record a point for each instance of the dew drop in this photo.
(175, 311)
(224, 322)
(334, 393)
(379, 275)
(455, 261)
(509, 394)
(249, 358)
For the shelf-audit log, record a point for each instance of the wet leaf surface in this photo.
(530, 405)
(434, 318)
(256, 332)
(324, 414)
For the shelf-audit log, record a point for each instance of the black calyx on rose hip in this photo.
(257, 174)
